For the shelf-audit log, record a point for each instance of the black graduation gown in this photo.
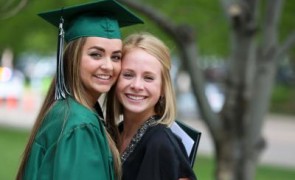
(159, 155)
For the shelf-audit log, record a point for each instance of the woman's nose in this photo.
(107, 64)
(137, 84)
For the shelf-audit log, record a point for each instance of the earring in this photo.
(162, 101)
(159, 108)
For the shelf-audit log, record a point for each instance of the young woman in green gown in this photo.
(69, 139)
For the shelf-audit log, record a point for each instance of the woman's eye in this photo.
(127, 75)
(116, 58)
(149, 78)
(95, 55)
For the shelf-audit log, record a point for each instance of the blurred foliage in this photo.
(206, 17)
(27, 32)
(287, 23)
(283, 100)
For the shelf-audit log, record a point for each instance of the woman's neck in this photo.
(87, 100)
(132, 122)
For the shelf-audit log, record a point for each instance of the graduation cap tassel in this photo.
(60, 89)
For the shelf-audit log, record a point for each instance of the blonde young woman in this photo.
(69, 140)
(144, 98)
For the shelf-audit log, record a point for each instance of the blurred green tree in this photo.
(23, 31)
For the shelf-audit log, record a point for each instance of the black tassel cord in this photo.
(60, 87)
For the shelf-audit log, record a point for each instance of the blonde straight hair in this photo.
(166, 106)
(72, 60)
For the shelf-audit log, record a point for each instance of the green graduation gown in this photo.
(71, 144)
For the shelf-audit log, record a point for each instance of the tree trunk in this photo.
(233, 161)
(235, 154)
(249, 88)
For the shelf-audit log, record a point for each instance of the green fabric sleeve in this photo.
(81, 154)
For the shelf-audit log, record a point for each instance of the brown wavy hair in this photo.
(72, 60)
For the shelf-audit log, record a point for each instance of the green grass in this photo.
(12, 144)
(204, 169)
(13, 141)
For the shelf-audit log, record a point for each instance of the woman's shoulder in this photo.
(66, 117)
(71, 109)
(159, 135)
(162, 130)
(163, 144)
(69, 114)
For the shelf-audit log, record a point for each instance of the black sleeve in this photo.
(159, 161)
(185, 169)
(164, 159)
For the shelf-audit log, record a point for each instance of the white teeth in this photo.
(105, 77)
(135, 97)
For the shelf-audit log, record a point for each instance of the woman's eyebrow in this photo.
(97, 48)
(118, 51)
(103, 50)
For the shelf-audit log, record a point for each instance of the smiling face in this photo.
(100, 65)
(139, 84)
